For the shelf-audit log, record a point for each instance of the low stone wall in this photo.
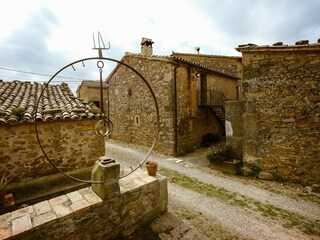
(70, 145)
(83, 215)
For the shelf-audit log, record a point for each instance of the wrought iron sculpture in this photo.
(104, 126)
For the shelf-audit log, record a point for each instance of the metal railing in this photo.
(210, 98)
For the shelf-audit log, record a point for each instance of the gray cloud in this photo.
(26, 48)
(264, 21)
(233, 22)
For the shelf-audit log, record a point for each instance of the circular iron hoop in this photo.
(156, 131)
(109, 127)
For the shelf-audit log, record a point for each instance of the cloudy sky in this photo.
(42, 36)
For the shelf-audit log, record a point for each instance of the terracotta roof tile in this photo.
(18, 102)
(183, 58)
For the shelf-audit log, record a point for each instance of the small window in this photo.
(97, 103)
(137, 120)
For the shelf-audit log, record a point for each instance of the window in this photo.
(137, 120)
(97, 103)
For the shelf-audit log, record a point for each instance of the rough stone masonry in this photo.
(281, 89)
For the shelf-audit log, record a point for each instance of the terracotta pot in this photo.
(152, 169)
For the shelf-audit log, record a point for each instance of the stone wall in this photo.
(83, 215)
(70, 144)
(132, 107)
(281, 86)
(90, 92)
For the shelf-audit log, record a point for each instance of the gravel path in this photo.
(247, 225)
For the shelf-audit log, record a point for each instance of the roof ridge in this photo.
(145, 55)
(206, 55)
(204, 66)
(181, 59)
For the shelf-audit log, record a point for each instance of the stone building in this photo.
(89, 92)
(65, 127)
(190, 90)
(276, 126)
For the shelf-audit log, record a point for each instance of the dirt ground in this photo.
(252, 209)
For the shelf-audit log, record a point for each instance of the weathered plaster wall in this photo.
(223, 84)
(193, 121)
(281, 114)
(83, 93)
(92, 94)
(70, 144)
(83, 215)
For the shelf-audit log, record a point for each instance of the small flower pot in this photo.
(152, 168)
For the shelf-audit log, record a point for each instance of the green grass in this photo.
(288, 219)
(209, 228)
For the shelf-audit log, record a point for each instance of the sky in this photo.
(40, 37)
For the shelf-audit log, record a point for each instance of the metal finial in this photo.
(100, 43)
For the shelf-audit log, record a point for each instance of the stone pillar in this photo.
(106, 171)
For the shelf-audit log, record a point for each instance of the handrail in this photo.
(211, 97)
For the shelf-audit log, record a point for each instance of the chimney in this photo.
(146, 46)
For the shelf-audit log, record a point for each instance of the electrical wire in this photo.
(37, 80)
(38, 74)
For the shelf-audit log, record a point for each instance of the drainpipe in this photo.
(175, 118)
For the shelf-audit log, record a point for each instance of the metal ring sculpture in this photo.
(104, 126)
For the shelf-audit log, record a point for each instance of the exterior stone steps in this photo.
(220, 114)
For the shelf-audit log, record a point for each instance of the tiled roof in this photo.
(18, 101)
(184, 60)
(205, 65)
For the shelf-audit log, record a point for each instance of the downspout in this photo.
(175, 118)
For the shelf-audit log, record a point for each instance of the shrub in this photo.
(219, 153)
(3, 182)
(18, 111)
(277, 177)
(255, 170)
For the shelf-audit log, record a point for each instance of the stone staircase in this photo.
(215, 100)
(220, 114)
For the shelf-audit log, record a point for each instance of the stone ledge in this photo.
(227, 166)
(143, 198)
